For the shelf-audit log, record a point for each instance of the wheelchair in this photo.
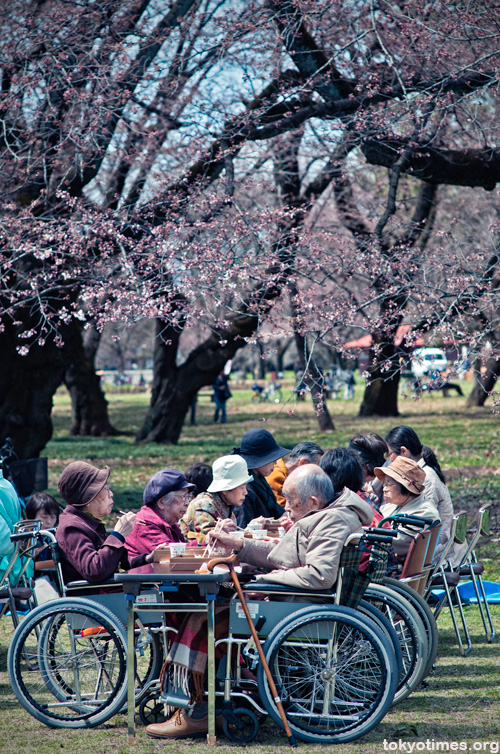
(67, 657)
(336, 660)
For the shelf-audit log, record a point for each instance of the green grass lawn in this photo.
(462, 701)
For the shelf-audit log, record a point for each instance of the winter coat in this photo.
(419, 506)
(150, 530)
(10, 514)
(276, 479)
(203, 513)
(308, 556)
(87, 551)
(437, 492)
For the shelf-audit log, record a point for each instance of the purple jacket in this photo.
(149, 531)
(87, 551)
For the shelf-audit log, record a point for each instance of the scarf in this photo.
(186, 663)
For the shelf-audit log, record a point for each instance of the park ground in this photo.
(462, 701)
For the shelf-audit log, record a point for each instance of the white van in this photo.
(425, 360)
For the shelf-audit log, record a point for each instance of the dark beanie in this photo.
(81, 482)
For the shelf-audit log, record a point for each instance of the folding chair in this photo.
(444, 576)
(470, 568)
(415, 571)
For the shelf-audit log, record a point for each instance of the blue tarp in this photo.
(468, 595)
(491, 589)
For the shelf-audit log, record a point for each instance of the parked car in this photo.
(426, 360)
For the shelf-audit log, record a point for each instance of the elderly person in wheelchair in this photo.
(307, 557)
(86, 549)
(404, 493)
(166, 498)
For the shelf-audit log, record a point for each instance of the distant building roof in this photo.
(366, 340)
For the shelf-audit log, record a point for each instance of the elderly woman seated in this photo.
(87, 550)
(404, 493)
(166, 498)
(227, 491)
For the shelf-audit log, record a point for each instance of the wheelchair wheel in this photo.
(67, 664)
(365, 608)
(151, 710)
(411, 634)
(240, 725)
(426, 615)
(333, 669)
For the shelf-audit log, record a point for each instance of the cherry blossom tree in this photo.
(142, 149)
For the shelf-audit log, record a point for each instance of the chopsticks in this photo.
(209, 549)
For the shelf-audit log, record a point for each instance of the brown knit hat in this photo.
(81, 482)
(405, 471)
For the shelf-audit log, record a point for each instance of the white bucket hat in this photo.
(229, 472)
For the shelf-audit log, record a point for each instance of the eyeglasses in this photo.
(183, 495)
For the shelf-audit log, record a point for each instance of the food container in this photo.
(177, 548)
(259, 534)
(254, 527)
(190, 552)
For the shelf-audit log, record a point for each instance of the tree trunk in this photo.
(261, 361)
(89, 407)
(27, 387)
(280, 354)
(175, 387)
(484, 383)
(381, 393)
(312, 376)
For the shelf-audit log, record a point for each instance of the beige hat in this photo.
(405, 471)
(229, 472)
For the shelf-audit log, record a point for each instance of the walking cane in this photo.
(229, 562)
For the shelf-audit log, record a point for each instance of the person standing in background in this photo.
(221, 394)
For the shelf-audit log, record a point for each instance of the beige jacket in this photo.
(419, 506)
(308, 555)
(437, 492)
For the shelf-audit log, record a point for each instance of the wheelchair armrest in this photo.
(261, 586)
(81, 584)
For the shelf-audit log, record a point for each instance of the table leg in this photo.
(130, 671)
(211, 736)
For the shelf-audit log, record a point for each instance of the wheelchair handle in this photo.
(418, 520)
(34, 534)
(24, 535)
(382, 538)
(376, 531)
(402, 519)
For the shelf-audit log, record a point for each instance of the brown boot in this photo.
(180, 725)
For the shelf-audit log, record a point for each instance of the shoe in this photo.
(180, 725)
